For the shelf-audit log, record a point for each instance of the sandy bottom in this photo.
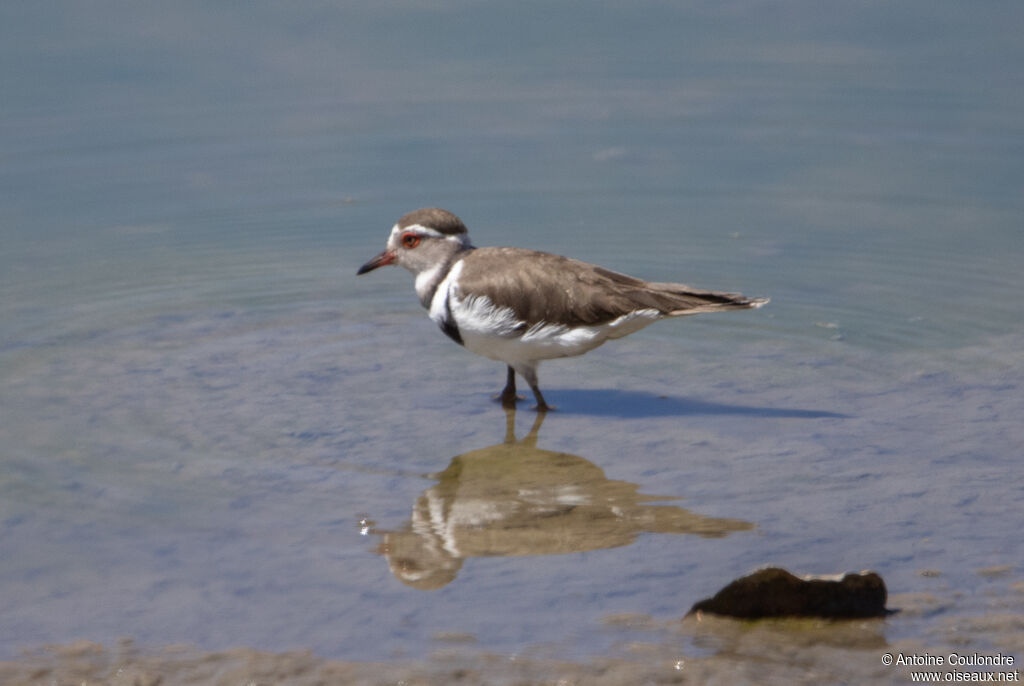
(696, 650)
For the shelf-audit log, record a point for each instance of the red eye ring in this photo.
(410, 240)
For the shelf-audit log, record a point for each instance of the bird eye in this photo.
(410, 240)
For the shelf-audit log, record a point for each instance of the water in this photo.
(214, 433)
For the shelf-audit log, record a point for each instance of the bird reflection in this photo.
(516, 499)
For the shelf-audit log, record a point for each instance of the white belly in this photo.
(497, 333)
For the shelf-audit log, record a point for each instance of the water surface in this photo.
(213, 433)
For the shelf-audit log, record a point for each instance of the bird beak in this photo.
(386, 257)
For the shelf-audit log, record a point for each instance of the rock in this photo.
(774, 592)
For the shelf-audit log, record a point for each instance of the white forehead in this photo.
(421, 230)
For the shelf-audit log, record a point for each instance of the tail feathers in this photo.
(677, 300)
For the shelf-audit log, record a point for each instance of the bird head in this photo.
(422, 240)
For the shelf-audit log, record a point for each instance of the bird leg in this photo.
(541, 405)
(508, 395)
(530, 374)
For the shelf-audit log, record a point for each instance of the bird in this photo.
(521, 306)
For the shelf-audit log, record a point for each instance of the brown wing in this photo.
(550, 288)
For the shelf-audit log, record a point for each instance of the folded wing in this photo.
(552, 288)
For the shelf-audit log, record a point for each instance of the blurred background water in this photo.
(211, 432)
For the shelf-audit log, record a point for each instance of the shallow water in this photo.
(213, 433)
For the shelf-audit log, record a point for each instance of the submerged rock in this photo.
(775, 592)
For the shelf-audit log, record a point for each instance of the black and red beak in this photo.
(385, 258)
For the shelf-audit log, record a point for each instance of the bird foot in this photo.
(508, 400)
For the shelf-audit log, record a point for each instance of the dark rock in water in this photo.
(774, 592)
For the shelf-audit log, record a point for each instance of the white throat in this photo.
(425, 279)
